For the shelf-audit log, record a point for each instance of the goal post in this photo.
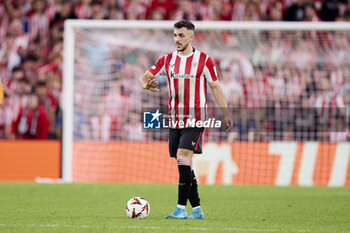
(112, 151)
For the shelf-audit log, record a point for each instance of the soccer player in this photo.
(187, 70)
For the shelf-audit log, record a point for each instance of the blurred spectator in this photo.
(167, 7)
(83, 9)
(53, 6)
(15, 47)
(102, 125)
(204, 8)
(238, 10)
(116, 102)
(310, 13)
(97, 10)
(66, 12)
(6, 118)
(347, 15)
(268, 6)
(275, 14)
(48, 101)
(224, 13)
(114, 8)
(38, 50)
(330, 9)
(31, 63)
(13, 11)
(274, 69)
(97, 54)
(304, 55)
(252, 11)
(186, 11)
(295, 12)
(244, 126)
(23, 87)
(157, 15)
(39, 22)
(215, 10)
(11, 86)
(135, 9)
(338, 55)
(32, 121)
(81, 125)
(132, 129)
(232, 89)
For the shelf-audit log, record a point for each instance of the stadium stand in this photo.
(31, 60)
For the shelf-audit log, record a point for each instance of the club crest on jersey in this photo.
(194, 65)
(181, 76)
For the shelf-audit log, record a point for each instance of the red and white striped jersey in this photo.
(337, 80)
(16, 103)
(328, 100)
(187, 78)
(328, 104)
(51, 10)
(6, 118)
(4, 24)
(39, 26)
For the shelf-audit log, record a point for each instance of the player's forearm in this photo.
(220, 99)
(143, 81)
(148, 82)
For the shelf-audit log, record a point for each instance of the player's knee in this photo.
(184, 160)
(184, 152)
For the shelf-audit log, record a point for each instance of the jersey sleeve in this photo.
(159, 67)
(210, 70)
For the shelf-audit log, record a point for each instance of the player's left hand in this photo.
(229, 123)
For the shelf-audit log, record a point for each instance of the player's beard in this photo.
(183, 49)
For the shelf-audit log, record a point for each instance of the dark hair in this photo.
(40, 84)
(64, 1)
(32, 57)
(37, 85)
(23, 80)
(310, 5)
(346, 14)
(16, 68)
(184, 24)
(95, 2)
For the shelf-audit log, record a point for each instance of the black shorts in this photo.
(187, 138)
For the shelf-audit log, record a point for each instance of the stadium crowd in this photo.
(269, 71)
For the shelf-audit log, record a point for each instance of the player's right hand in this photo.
(151, 85)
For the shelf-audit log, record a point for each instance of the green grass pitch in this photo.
(30, 207)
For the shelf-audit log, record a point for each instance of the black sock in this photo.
(185, 180)
(193, 195)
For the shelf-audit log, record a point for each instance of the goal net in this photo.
(286, 85)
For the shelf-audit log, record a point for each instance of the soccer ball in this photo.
(137, 207)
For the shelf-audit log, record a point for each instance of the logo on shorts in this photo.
(151, 120)
(193, 143)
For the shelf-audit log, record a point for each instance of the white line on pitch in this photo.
(156, 228)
